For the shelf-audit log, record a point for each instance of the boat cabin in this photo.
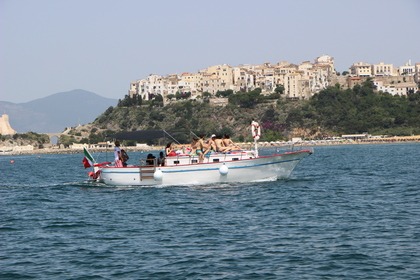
(183, 159)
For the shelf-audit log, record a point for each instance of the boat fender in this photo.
(158, 175)
(223, 170)
(256, 130)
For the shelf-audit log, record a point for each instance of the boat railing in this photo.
(182, 159)
(300, 146)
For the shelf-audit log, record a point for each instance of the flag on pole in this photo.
(88, 159)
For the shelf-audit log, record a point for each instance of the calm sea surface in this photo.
(347, 212)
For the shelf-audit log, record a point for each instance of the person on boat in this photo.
(193, 146)
(117, 154)
(211, 145)
(124, 157)
(200, 149)
(229, 143)
(169, 150)
(194, 150)
(220, 145)
(161, 159)
(150, 160)
(180, 150)
(188, 149)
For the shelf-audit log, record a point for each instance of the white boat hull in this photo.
(244, 170)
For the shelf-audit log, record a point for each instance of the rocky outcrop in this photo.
(5, 128)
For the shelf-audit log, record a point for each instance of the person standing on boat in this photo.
(117, 154)
(124, 157)
(200, 148)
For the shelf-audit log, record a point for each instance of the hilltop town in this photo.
(294, 81)
(276, 83)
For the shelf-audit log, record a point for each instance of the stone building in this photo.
(299, 81)
(361, 69)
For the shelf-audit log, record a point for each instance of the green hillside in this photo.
(331, 112)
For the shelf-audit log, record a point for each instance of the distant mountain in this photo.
(56, 112)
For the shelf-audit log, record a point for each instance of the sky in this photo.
(50, 46)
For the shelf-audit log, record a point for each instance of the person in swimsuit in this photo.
(220, 145)
(193, 146)
(211, 145)
(200, 148)
(229, 143)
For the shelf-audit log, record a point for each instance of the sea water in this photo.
(347, 212)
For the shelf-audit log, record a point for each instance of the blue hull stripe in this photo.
(108, 171)
(230, 167)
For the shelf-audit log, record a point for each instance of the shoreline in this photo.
(47, 151)
(248, 145)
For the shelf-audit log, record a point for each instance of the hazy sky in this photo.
(50, 46)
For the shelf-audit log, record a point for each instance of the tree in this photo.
(246, 99)
(224, 94)
(129, 101)
(206, 94)
(67, 140)
(157, 101)
(279, 89)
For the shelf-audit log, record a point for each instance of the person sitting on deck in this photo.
(180, 150)
(150, 160)
(193, 146)
(211, 145)
(229, 143)
(169, 150)
(220, 145)
(161, 159)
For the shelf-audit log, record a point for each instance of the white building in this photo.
(299, 81)
(296, 86)
(383, 69)
(401, 89)
(361, 69)
(149, 88)
(417, 75)
(407, 69)
(243, 79)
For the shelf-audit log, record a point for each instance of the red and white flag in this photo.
(88, 160)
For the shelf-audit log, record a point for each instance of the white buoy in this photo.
(223, 170)
(158, 175)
